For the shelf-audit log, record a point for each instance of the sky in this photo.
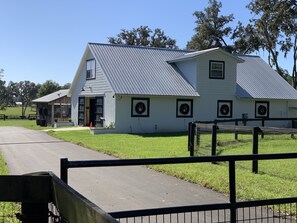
(45, 40)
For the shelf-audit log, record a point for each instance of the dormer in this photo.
(212, 70)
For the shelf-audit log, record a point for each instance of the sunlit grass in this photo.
(276, 178)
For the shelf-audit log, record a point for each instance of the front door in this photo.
(96, 111)
(92, 112)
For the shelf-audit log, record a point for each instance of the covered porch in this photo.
(54, 109)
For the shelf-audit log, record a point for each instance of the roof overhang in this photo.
(76, 77)
(197, 54)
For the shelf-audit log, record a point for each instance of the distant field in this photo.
(17, 111)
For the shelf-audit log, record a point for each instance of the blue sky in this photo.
(45, 40)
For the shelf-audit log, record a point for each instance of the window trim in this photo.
(268, 108)
(218, 108)
(210, 69)
(93, 77)
(147, 102)
(191, 108)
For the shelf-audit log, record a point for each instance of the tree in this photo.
(212, 29)
(66, 86)
(289, 28)
(246, 40)
(24, 91)
(48, 87)
(267, 22)
(143, 36)
(3, 92)
(1, 73)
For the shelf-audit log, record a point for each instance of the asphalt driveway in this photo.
(112, 188)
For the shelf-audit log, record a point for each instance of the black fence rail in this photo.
(257, 121)
(234, 211)
(44, 198)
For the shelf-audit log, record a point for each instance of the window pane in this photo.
(216, 69)
(90, 68)
(217, 66)
(215, 73)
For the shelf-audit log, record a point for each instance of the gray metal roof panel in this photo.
(51, 97)
(194, 54)
(256, 79)
(141, 70)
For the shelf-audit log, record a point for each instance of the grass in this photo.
(276, 178)
(7, 209)
(30, 124)
(16, 111)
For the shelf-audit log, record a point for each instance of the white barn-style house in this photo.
(140, 89)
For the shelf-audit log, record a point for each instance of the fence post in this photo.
(34, 212)
(214, 140)
(64, 170)
(198, 136)
(232, 191)
(263, 124)
(191, 137)
(256, 130)
(236, 132)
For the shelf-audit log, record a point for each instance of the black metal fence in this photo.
(234, 211)
(44, 198)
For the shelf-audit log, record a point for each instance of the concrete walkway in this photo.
(113, 188)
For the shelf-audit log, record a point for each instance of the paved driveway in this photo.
(112, 188)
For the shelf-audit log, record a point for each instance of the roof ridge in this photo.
(245, 55)
(139, 47)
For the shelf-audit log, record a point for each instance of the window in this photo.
(90, 69)
(216, 69)
(262, 109)
(184, 108)
(224, 109)
(81, 111)
(140, 107)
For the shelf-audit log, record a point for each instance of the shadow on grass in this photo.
(160, 134)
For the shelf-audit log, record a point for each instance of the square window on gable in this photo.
(91, 69)
(216, 69)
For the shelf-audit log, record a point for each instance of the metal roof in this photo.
(256, 79)
(141, 70)
(51, 97)
(190, 55)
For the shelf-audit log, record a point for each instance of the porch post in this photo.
(53, 114)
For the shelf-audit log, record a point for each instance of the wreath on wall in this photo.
(184, 109)
(225, 109)
(262, 110)
(140, 108)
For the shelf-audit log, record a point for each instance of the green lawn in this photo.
(17, 111)
(30, 124)
(276, 178)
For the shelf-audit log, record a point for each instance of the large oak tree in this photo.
(143, 36)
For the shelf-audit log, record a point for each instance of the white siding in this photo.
(162, 116)
(92, 88)
(212, 90)
(217, 88)
(277, 109)
(109, 109)
(189, 71)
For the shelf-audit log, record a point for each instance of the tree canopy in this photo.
(48, 87)
(143, 36)
(272, 28)
(212, 29)
(23, 91)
